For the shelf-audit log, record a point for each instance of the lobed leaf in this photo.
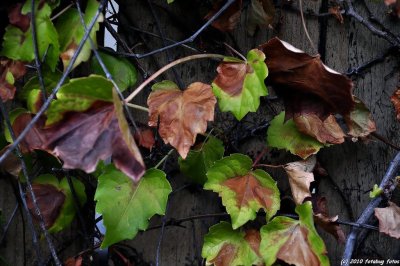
(225, 246)
(359, 121)
(242, 190)
(294, 242)
(126, 206)
(182, 114)
(389, 220)
(239, 85)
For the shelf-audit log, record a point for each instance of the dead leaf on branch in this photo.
(17, 19)
(395, 99)
(261, 14)
(229, 18)
(359, 121)
(389, 218)
(182, 114)
(312, 92)
(50, 201)
(81, 139)
(321, 218)
(10, 71)
(300, 177)
(144, 136)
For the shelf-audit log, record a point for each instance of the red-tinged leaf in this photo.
(231, 76)
(229, 18)
(10, 71)
(50, 201)
(395, 99)
(182, 114)
(81, 139)
(74, 261)
(300, 176)
(322, 219)
(17, 19)
(389, 220)
(145, 138)
(326, 131)
(359, 121)
(11, 164)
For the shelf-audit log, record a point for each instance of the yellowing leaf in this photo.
(182, 114)
(359, 120)
(242, 190)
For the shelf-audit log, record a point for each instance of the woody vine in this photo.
(68, 129)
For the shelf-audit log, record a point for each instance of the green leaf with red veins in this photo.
(243, 191)
(225, 246)
(240, 84)
(293, 241)
(285, 135)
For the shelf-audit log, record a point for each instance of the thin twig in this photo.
(46, 104)
(138, 107)
(303, 22)
(164, 158)
(5, 229)
(188, 40)
(389, 176)
(61, 12)
(166, 67)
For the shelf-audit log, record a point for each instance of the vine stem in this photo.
(269, 165)
(164, 158)
(138, 107)
(390, 175)
(168, 66)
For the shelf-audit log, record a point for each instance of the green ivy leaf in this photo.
(201, 158)
(239, 85)
(67, 210)
(293, 241)
(69, 24)
(18, 45)
(79, 95)
(225, 246)
(122, 71)
(285, 135)
(126, 206)
(242, 190)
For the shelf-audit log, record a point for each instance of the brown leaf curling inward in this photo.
(231, 76)
(389, 220)
(228, 20)
(248, 188)
(145, 138)
(82, 139)
(50, 201)
(297, 250)
(296, 74)
(182, 114)
(300, 177)
(322, 219)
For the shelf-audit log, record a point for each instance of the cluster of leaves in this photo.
(85, 124)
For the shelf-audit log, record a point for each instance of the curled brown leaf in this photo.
(229, 18)
(389, 218)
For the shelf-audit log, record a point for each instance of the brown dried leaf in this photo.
(300, 176)
(229, 18)
(17, 19)
(326, 131)
(81, 139)
(395, 99)
(261, 14)
(145, 138)
(11, 164)
(9, 70)
(335, 10)
(50, 201)
(182, 114)
(321, 218)
(359, 121)
(389, 220)
(74, 261)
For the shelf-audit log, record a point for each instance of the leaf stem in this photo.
(138, 107)
(168, 66)
(269, 165)
(164, 158)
